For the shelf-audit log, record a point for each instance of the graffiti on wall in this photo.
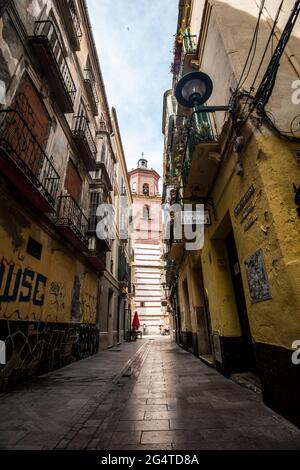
(88, 307)
(39, 347)
(20, 285)
(57, 300)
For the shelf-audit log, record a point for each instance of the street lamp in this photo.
(194, 89)
(166, 288)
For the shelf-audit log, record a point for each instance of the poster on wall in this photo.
(257, 278)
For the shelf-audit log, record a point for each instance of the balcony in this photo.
(189, 54)
(106, 157)
(85, 142)
(25, 164)
(49, 52)
(69, 14)
(124, 270)
(72, 223)
(189, 43)
(105, 244)
(202, 156)
(176, 246)
(90, 87)
(94, 255)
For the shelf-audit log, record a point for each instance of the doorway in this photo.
(203, 318)
(237, 282)
(118, 321)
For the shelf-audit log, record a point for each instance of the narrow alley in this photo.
(149, 394)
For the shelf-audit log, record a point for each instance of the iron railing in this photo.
(90, 81)
(204, 131)
(96, 199)
(69, 214)
(46, 29)
(123, 267)
(106, 155)
(189, 43)
(82, 128)
(20, 143)
(75, 18)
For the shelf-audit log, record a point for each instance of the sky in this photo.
(134, 39)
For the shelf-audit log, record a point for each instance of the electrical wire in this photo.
(253, 44)
(266, 87)
(271, 36)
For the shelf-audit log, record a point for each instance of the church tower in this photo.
(147, 243)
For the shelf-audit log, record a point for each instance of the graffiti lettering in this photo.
(57, 293)
(88, 307)
(23, 285)
(27, 285)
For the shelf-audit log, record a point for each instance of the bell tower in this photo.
(147, 246)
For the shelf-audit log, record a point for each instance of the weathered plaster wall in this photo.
(44, 289)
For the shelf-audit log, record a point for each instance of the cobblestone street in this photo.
(144, 395)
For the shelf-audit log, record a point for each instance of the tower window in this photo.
(146, 212)
(146, 189)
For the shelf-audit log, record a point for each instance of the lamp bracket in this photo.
(212, 109)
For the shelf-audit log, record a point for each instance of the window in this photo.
(133, 187)
(146, 189)
(123, 189)
(146, 212)
(73, 182)
(34, 248)
(96, 198)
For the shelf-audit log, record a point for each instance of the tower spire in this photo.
(142, 163)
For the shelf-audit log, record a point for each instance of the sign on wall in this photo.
(257, 278)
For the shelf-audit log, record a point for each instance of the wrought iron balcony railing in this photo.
(69, 14)
(92, 226)
(23, 148)
(70, 216)
(203, 139)
(90, 86)
(75, 19)
(189, 43)
(85, 141)
(106, 158)
(51, 55)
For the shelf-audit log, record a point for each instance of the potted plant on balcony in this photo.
(203, 131)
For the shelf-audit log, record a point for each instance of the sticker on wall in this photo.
(257, 278)
(244, 200)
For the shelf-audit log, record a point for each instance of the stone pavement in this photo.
(145, 395)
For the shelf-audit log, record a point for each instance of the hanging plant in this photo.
(204, 131)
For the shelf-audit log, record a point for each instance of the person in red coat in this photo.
(135, 324)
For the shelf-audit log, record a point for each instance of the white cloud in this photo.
(134, 39)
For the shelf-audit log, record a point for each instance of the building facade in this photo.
(147, 243)
(114, 315)
(236, 302)
(57, 166)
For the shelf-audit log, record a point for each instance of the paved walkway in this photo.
(163, 398)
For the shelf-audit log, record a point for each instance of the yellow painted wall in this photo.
(53, 275)
(269, 165)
